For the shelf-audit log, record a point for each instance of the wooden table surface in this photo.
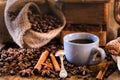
(114, 76)
(37, 78)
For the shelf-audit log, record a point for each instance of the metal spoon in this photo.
(63, 72)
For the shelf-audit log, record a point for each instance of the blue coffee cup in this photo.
(81, 48)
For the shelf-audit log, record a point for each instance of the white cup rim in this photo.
(81, 33)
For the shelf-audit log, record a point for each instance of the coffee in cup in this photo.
(81, 48)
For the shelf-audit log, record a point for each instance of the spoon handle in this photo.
(63, 72)
(62, 65)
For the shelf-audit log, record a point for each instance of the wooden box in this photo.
(84, 11)
(91, 12)
(83, 1)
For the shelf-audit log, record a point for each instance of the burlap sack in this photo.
(20, 27)
(4, 35)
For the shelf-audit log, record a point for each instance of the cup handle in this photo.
(93, 52)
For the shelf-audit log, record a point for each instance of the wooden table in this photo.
(114, 76)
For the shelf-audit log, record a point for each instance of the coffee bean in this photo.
(43, 23)
(27, 58)
(12, 72)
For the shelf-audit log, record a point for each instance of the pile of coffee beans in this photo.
(23, 61)
(77, 70)
(43, 23)
(15, 60)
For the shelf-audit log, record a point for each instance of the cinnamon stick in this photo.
(99, 74)
(102, 72)
(41, 60)
(55, 63)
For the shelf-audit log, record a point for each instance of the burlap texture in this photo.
(20, 27)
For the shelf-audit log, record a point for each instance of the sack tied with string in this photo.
(33, 23)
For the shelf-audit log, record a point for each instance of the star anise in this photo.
(48, 65)
(25, 73)
(84, 70)
(45, 72)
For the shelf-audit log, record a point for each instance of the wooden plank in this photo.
(112, 29)
(7, 78)
(43, 78)
(85, 27)
(114, 76)
(77, 13)
(106, 14)
(83, 1)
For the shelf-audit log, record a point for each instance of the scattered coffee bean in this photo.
(17, 60)
(12, 72)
